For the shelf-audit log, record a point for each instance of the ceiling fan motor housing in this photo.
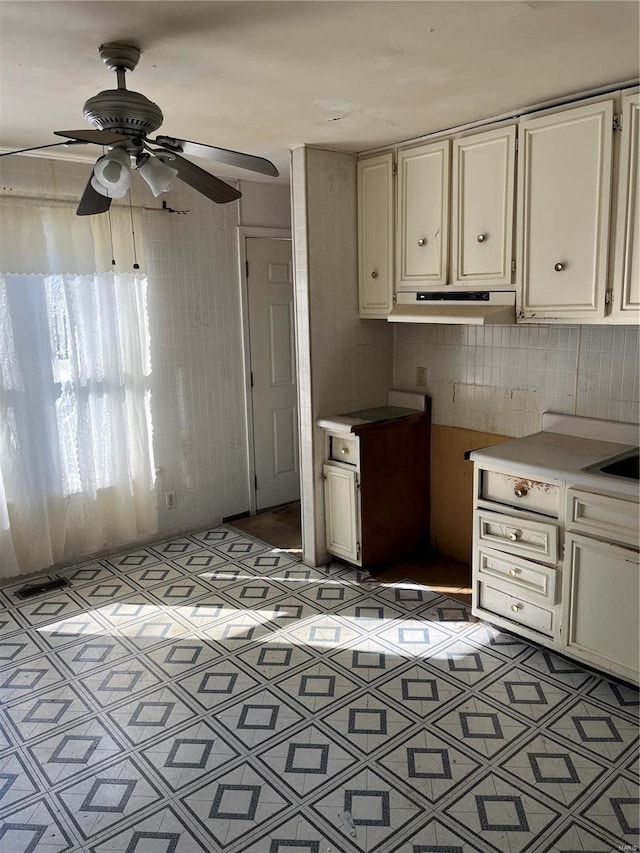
(122, 110)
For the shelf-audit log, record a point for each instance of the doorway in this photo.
(272, 359)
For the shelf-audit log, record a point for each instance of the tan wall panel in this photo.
(452, 488)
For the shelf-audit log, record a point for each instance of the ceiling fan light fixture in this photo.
(156, 173)
(108, 193)
(112, 173)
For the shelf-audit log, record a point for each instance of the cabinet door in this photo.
(564, 189)
(482, 207)
(600, 604)
(423, 204)
(375, 235)
(626, 263)
(341, 509)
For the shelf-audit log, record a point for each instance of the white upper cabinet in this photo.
(375, 235)
(423, 212)
(564, 197)
(482, 208)
(625, 285)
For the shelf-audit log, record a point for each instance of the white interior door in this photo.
(273, 366)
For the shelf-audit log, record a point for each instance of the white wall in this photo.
(265, 205)
(501, 379)
(344, 363)
(198, 403)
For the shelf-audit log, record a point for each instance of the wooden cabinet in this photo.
(559, 565)
(515, 553)
(375, 235)
(625, 285)
(342, 512)
(564, 196)
(600, 590)
(482, 208)
(600, 605)
(423, 213)
(376, 489)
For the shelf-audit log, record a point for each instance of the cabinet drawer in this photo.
(516, 576)
(611, 518)
(343, 449)
(513, 608)
(519, 492)
(535, 539)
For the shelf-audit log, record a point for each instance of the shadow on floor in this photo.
(280, 527)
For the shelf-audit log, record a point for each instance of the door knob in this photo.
(421, 241)
(559, 267)
(374, 274)
(481, 238)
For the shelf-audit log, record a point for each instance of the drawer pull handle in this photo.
(515, 607)
(521, 491)
(374, 274)
(558, 267)
(481, 238)
(515, 535)
(514, 573)
(344, 451)
(421, 242)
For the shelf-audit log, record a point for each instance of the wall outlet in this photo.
(170, 500)
(421, 377)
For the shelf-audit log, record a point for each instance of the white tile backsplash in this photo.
(501, 379)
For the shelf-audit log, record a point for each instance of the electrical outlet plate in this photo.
(421, 377)
(170, 500)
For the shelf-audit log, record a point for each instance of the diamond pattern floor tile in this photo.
(211, 694)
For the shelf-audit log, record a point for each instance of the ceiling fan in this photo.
(122, 121)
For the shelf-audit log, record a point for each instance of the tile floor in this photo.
(210, 694)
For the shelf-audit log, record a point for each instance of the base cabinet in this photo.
(600, 605)
(342, 512)
(583, 603)
(376, 490)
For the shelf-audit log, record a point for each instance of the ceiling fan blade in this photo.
(222, 155)
(202, 181)
(98, 137)
(39, 147)
(92, 202)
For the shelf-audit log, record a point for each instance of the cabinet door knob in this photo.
(481, 238)
(421, 241)
(344, 451)
(521, 491)
(559, 267)
(515, 607)
(515, 535)
(514, 573)
(374, 274)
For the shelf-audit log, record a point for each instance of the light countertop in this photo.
(559, 455)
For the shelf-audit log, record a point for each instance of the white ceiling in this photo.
(264, 77)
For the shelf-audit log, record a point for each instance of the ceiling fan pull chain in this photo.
(113, 260)
(136, 265)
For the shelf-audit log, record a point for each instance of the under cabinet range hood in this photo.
(471, 308)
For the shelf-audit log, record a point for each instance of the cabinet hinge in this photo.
(608, 297)
(394, 169)
(357, 485)
(395, 299)
(357, 550)
(513, 266)
(617, 122)
(517, 144)
(247, 268)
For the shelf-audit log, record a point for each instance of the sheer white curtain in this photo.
(76, 467)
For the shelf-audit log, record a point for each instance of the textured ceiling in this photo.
(264, 77)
